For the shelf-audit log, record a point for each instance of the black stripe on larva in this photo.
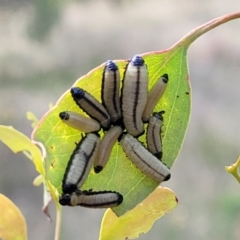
(79, 93)
(154, 142)
(98, 109)
(136, 98)
(121, 97)
(114, 90)
(90, 192)
(103, 85)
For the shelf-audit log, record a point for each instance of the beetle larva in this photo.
(80, 163)
(91, 106)
(110, 90)
(106, 146)
(154, 141)
(154, 95)
(102, 199)
(80, 122)
(144, 160)
(134, 95)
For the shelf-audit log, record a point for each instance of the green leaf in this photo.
(12, 222)
(233, 169)
(120, 174)
(60, 139)
(18, 142)
(31, 117)
(140, 219)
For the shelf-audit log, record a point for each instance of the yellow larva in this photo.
(80, 122)
(144, 160)
(110, 91)
(134, 95)
(80, 163)
(154, 141)
(106, 146)
(91, 106)
(154, 95)
(90, 199)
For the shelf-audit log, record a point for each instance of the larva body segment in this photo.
(154, 141)
(144, 160)
(110, 90)
(106, 146)
(154, 95)
(91, 106)
(80, 122)
(80, 163)
(134, 95)
(90, 199)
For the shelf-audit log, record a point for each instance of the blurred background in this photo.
(46, 45)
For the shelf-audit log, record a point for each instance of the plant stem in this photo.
(197, 32)
(58, 222)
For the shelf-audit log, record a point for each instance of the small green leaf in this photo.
(120, 174)
(12, 222)
(31, 117)
(38, 180)
(140, 219)
(18, 142)
(233, 169)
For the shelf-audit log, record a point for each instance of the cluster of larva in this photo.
(122, 117)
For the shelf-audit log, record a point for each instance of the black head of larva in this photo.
(158, 115)
(64, 115)
(137, 61)
(69, 188)
(165, 78)
(112, 66)
(120, 198)
(65, 200)
(98, 169)
(158, 155)
(77, 92)
(167, 177)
